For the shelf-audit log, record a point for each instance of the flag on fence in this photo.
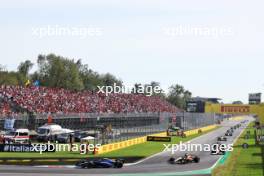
(36, 83)
(27, 83)
(49, 119)
(81, 118)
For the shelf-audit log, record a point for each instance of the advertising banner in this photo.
(158, 139)
(9, 124)
(27, 148)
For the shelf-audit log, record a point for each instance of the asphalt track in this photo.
(154, 165)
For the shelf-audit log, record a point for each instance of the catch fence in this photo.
(108, 128)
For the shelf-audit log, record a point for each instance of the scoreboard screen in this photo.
(195, 106)
(254, 98)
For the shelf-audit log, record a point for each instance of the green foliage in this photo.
(139, 88)
(178, 96)
(134, 150)
(243, 162)
(11, 78)
(136, 88)
(57, 71)
(25, 67)
(109, 80)
(90, 78)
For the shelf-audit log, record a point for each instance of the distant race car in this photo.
(217, 150)
(100, 163)
(221, 138)
(187, 158)
(228, 133)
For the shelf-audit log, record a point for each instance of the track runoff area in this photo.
(155, 165)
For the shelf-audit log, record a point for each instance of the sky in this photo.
(212, 48)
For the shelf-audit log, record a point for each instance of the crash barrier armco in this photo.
(199, 130)
(120, 145)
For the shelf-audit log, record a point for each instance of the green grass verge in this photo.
(148, 148)
(140, 150)
(243, 162)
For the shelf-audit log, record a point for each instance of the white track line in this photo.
(234, 141)
(140, 161)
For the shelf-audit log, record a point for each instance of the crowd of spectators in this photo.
(5, 108)
(56, 100)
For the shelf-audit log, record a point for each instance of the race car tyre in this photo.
(171, 160)
(181, 161)
(118, 165)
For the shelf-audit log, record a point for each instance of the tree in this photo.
(2, 68)
(154, 85)
(137, 89)
(11, 78)
(25, 67)
(178, 96)
(109, 80)
(90, 78)
(57, 71)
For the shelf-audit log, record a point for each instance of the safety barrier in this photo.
(199, 130)
(120, 145)
(237, 118)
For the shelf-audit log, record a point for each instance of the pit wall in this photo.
(236, 109)
(120, 145)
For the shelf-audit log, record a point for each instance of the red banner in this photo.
(235, 109)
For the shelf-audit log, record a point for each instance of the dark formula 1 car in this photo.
(228, 133)
(100, 163)
(187, 158)
(221, 138)
(217, 149)
(218, 152)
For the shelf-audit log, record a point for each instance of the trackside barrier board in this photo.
(120, 145)
(236, 110)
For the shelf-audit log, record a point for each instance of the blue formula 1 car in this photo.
(100, 163)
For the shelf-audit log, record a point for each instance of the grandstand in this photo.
(42, 100)
(4, 108)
